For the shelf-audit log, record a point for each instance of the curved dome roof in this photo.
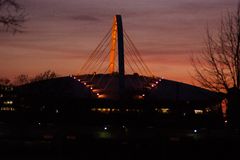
(57, 87)
(105, 86)
(169, 90)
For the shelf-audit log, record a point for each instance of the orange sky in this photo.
(59, 34)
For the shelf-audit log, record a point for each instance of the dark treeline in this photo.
(22, 79)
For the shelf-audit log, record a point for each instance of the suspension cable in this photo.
(137, 53)
(96, 50)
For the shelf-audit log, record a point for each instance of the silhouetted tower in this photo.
(117, 34)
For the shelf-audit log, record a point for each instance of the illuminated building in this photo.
(7, 98)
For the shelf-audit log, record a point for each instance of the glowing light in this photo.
(57, 111)
(85, 83)
(101, 95)
(105, 110)
(156, 82)
(79, 80)
(8, 102)
(225, 121)
(96, 90)
(139, 96)
(165, 110)
(113, 47)
(7, 109)
(195, 131)
(105, 128)
(91, 88)
(198, 111)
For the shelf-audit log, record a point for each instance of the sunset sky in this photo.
(60, 34)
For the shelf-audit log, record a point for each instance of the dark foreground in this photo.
(70, 141)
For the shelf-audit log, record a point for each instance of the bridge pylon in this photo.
(117, 38)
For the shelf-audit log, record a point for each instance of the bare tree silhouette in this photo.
(12, 16)
(21, 79)
(45, 75)
(4, 81)
(218, 67)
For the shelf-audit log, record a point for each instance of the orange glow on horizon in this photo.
(62, 40)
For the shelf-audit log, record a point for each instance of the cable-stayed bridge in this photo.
(116, 73)
(115, 69)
